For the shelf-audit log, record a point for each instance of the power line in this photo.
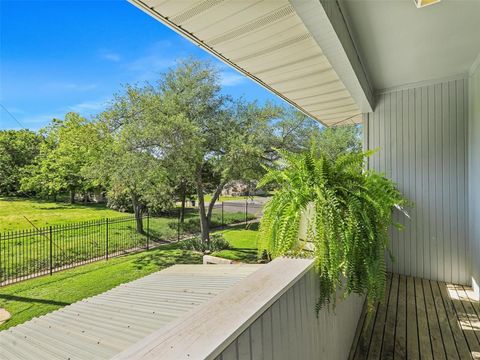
(24, 127)
(13, 117)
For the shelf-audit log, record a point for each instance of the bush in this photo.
(217, 243)
(191, 226)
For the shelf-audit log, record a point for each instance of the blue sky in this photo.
(61, 56)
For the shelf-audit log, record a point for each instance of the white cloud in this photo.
(88, 106)
(156, 59)
(111, 56)
(69, 86)
(229, 78)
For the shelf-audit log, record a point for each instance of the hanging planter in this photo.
(337, 212)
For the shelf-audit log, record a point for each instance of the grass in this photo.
(46, 213)
(244, 244)
(36, 297)
(26, 253)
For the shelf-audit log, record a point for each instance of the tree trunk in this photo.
(72, 197)
(138, 211)
(214, 199)
(204, 225)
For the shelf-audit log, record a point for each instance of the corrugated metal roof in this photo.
(104, 325)
(267, 41)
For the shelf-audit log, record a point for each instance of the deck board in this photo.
(420, 319)
(411, 345)
(436, 340)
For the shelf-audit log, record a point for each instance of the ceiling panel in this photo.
(267, 41)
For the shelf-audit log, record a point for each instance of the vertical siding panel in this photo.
(244, 346)
(304, 328)
(376, 129)
(387, 148)
(405, 238)
(276, 331)
(461, 176)
(399, 171)
(419, 181)
(394, 102)
(412, 183)
(267, 335)
(438, 182)
(256, 339)
(230, 353)
(284, 327)
(311, 298)
(466, 114)
(453, 179)
(293, 331)
(431, 184)
(298, 317)
(422, 135)
(446, 183)
(425, 197)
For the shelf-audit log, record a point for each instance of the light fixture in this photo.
(423, 3)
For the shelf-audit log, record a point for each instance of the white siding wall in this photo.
(289, 329)
(421, 135)
(474, 176)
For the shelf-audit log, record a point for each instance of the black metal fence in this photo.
(35, 252)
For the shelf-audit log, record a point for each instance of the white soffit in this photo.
(267, 41)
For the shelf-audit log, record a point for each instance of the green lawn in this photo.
(36, 297)
(44, 213)
(79, 233)
(243, 243)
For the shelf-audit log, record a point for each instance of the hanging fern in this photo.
(349, 213)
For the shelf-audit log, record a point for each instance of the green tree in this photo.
(211, 138)
(18, 149)
(122, 163)
(59, 166)
(335, 141)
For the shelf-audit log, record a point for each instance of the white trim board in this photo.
(421, 83)
(325, 21)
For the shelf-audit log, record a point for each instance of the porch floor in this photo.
(420, 319)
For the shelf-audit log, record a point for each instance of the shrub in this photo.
(190, 226)
(217, 243)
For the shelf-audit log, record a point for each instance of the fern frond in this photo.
(349, 227)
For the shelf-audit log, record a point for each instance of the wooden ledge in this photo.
(207, 330)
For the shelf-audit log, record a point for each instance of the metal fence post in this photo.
(178, 226)
(246, 211)
(148, 230)
(106, 239)
(223, 222)
(51, 250)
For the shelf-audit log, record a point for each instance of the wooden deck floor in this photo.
(420, 319)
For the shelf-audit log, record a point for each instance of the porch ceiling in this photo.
(400, 44)
(267, 41)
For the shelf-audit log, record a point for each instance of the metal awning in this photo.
(267, 41)
(107, 324)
